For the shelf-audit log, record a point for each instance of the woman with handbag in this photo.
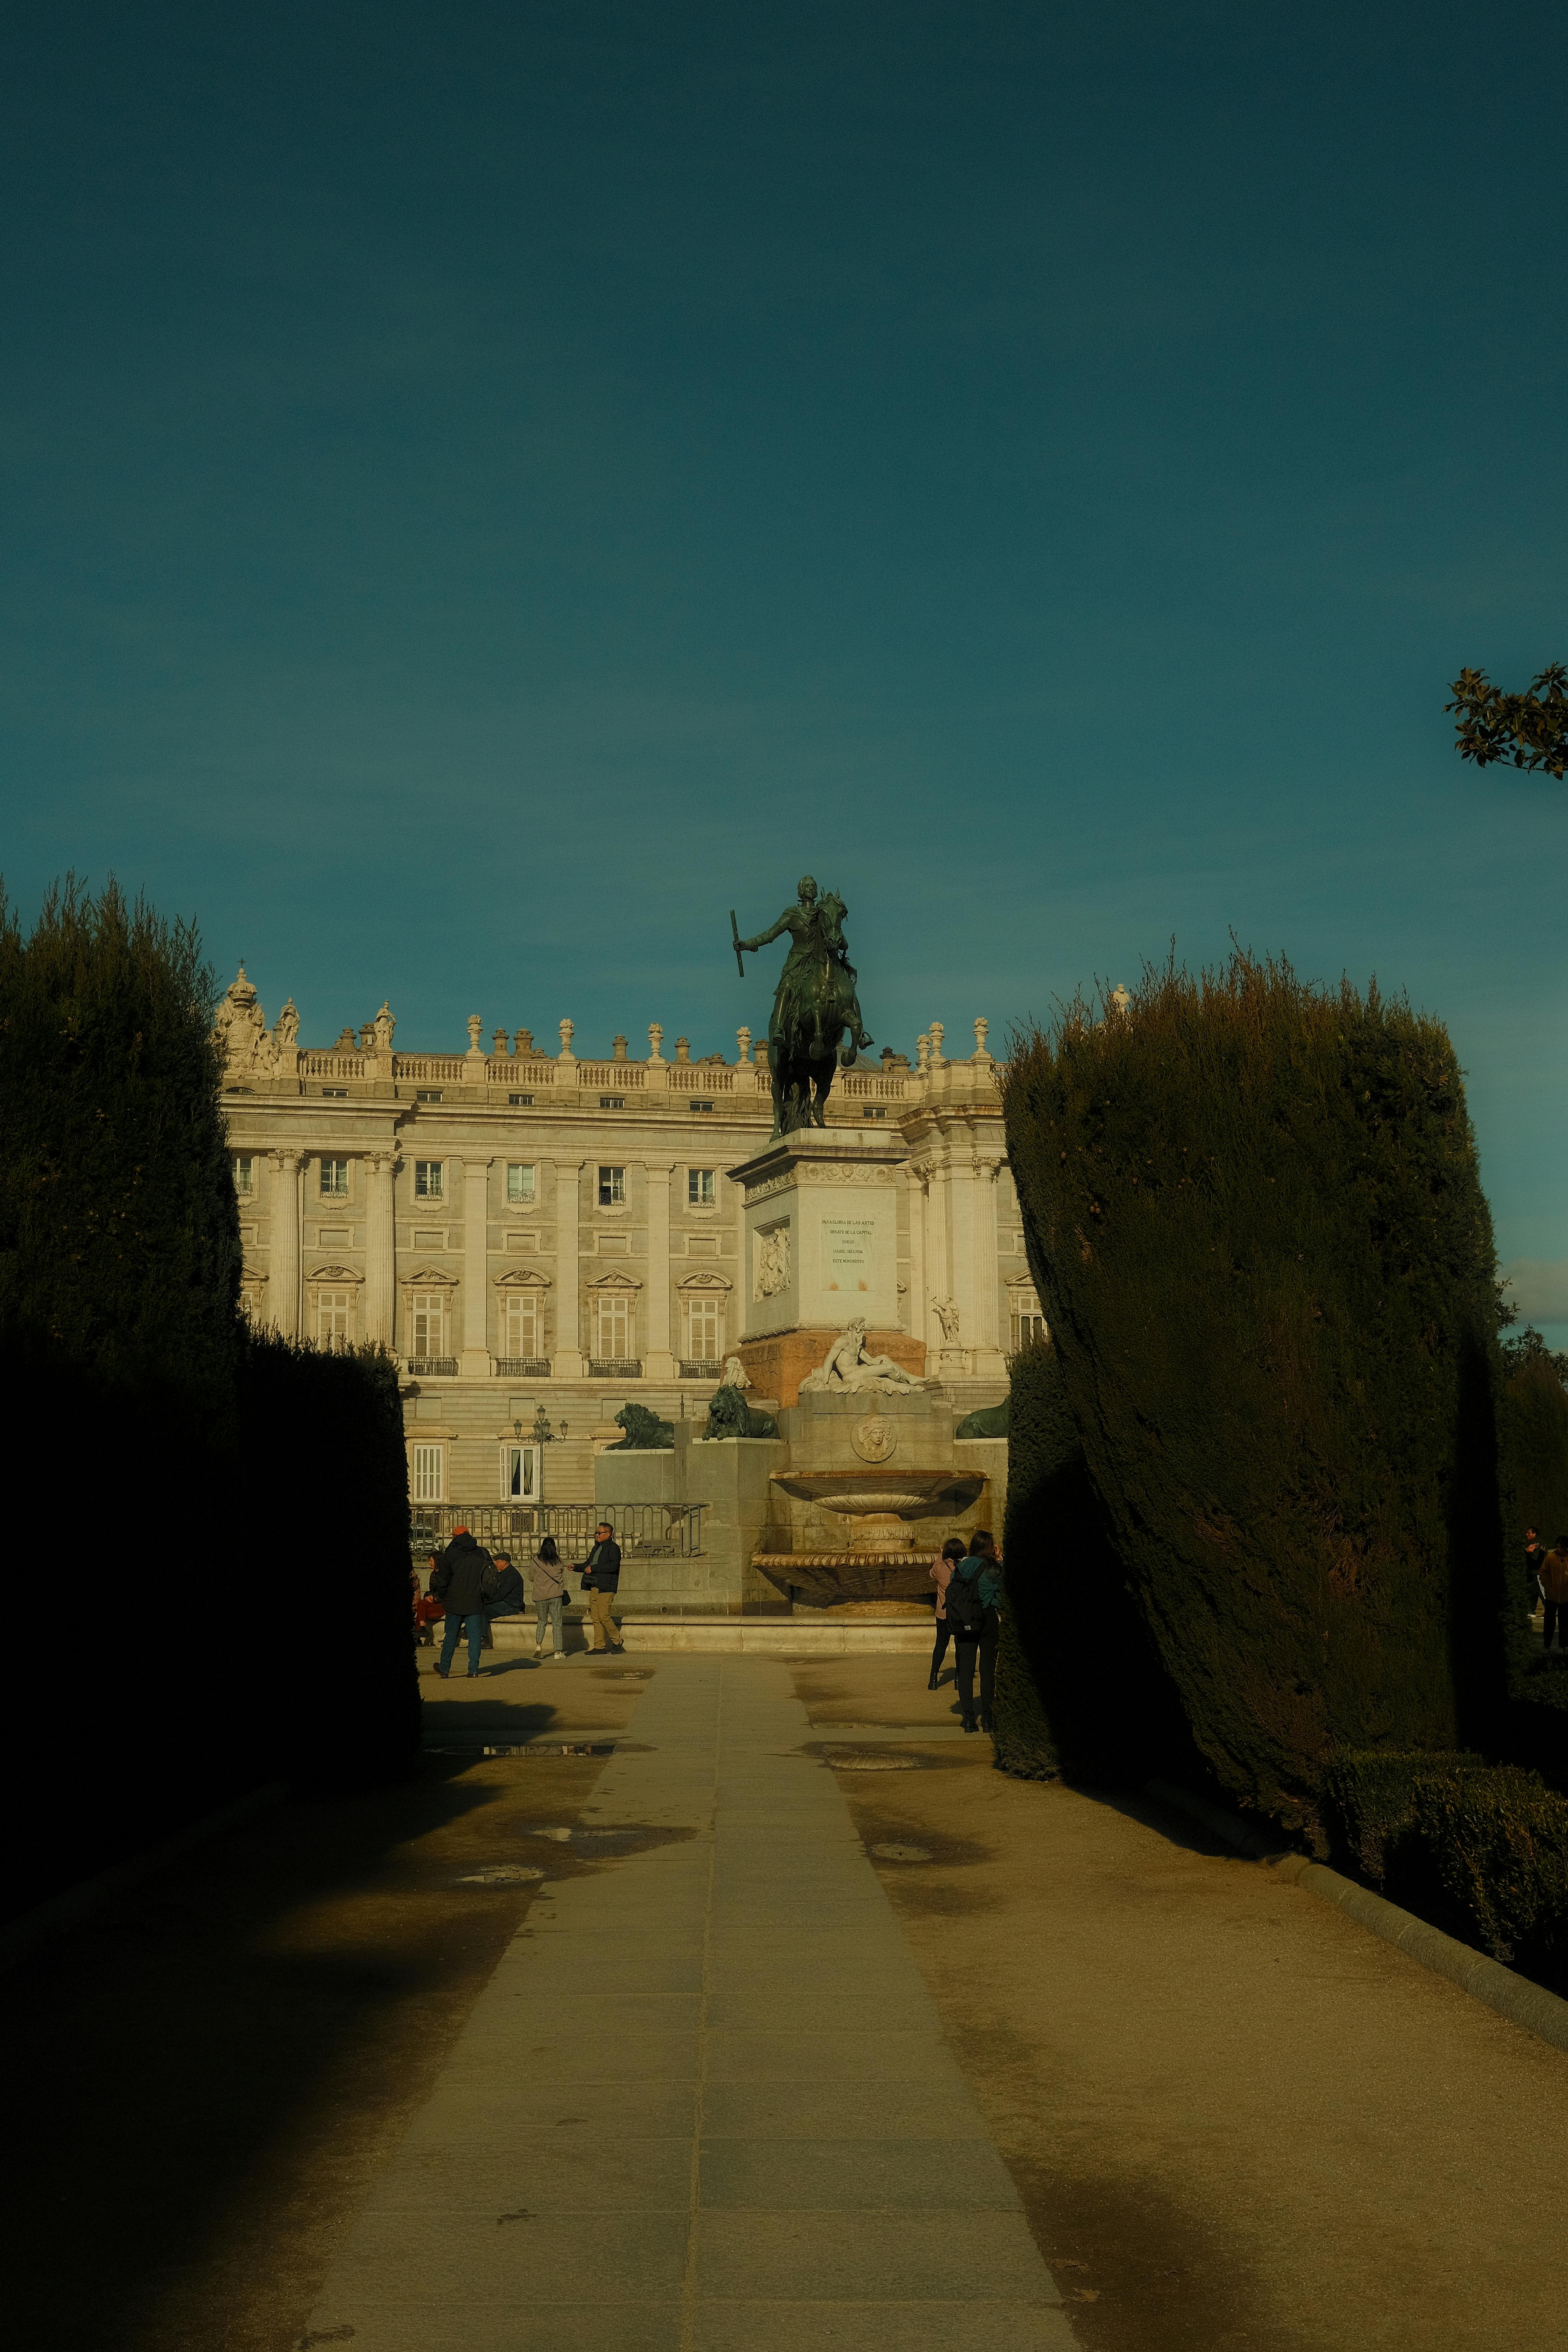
(548, 1597)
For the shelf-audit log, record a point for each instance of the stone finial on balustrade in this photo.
(567, 1028)
(498, 1045)
(982, 1031)
(475, 1021)
(523, 1045)
(618, 1049)
(367, 1036)
(937, 1033)
(743, 1047)
(922, 1049)
(683, 1049)
(656, 1041)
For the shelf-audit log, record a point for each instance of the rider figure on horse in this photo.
(813, 1004)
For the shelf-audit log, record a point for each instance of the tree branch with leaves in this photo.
(1531, 728)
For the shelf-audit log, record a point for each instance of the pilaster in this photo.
(658, 1361)
(283, 1299)
(475, 1358)
(568, 1354)
(381, 1262)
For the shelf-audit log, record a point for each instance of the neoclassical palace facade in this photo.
(541, 1239)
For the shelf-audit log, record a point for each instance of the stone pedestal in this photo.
(821, 1239)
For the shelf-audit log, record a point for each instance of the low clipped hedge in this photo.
(1479, 1849)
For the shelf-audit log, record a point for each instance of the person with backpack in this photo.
(548, 1597)
(942, 1576)
(974, 1610)
(465, 1579)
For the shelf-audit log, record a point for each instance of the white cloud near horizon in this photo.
(1540, 1287)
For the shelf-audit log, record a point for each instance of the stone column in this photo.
(284, 1285)
(989, 1361)
(939, 1263)
(659, 1361)
(476, 1357)
(964, 1200)
(567, 1362)
(919, 1314)
(380, 1257)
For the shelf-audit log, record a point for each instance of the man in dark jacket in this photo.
(465, 1579)
(511, 1593)
(601, 1578)
(1534, 1562)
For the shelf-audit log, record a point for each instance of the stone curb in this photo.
(1540, 2013)
(62, 1911)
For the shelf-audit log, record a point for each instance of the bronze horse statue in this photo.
(815, 1008)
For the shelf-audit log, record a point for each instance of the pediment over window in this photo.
(429, 1278)
(334, 1273)
(526, 1278)
(617, 1281)
(252, 1273)
(707, 1280)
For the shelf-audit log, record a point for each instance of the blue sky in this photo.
(486, 489)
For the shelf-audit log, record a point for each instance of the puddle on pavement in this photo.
(499, 1874)
(587, 1844)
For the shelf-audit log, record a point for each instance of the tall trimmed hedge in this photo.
(171, 1469)
(1080, 1687)
(1254, 1213)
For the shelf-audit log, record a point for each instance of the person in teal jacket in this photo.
(974, 1612)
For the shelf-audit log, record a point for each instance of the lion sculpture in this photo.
(644, 1433)
(729, 1416)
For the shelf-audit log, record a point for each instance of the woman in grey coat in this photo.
(548, 1597)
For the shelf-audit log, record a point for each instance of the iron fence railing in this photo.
(522, 1368)
(699, 1368)
(615, 1368)
(433, 1368)
(643, 1531)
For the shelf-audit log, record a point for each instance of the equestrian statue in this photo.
(814, 1007)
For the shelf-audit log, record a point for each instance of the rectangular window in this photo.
(243, 1173)
(700, 1187)
(427, 1094)
(521, 1102)
(612, 1102)
(427, 1479)
(341, 1093)
(332, 1317)
(427, 1180)
(699, 1105)
(612, 1188)
(519, 1324)
(520, 1184)
(429, 1315)
(519, 1473)
(702, 1329)
(615, 1328)
(1027, 1327)
(335, 1180)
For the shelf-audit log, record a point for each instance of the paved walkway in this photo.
(716, 2062)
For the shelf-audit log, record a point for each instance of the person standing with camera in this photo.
(601, 1582)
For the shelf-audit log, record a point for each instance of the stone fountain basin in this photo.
(878, 1563)
(867, 1494)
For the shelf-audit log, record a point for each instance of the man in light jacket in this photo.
(601, 1578)
(465, 1579)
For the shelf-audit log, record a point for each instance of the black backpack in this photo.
(965, 1608)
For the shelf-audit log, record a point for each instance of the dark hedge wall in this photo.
(1255, 1217)
(1080, 1688)
(175, 1473)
